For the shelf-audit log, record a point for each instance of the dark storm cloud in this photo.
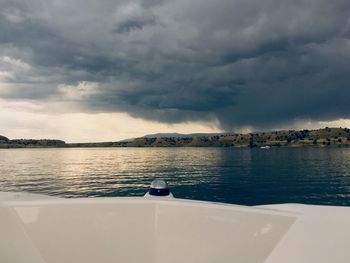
(246, 63)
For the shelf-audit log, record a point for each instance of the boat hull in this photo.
(167, 230)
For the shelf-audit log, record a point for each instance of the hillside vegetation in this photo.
(317, 138)
(322, 137)
(29, 143)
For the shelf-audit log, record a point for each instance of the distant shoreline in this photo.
(327, 137)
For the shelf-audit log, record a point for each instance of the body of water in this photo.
(230, 175)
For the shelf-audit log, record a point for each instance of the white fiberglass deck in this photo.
(164, 230)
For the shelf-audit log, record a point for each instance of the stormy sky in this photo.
(75, 68)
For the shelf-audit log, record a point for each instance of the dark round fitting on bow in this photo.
(159, 188)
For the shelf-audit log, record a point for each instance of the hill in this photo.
(181, 135)
(29, 143)
(316, 138)
(174, 135)
(291, 138)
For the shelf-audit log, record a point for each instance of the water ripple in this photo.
(241, 176)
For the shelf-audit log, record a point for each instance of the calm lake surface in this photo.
(230, 175)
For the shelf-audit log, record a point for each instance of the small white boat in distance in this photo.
(159, 228)
(266, 147)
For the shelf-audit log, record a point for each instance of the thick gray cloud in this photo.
(246, 63)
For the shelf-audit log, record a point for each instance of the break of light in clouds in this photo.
(108, 70)
(27, 120)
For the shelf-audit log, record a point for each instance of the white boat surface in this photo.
(41, 229)
(265, 147)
